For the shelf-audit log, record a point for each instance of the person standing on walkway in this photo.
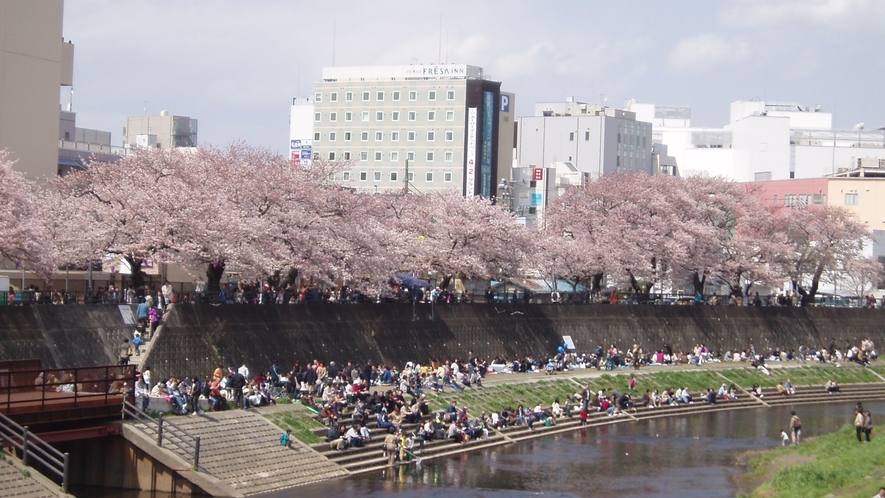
(795, 428)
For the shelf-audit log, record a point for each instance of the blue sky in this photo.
(237, 65)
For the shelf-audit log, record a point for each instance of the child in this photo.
(784, 438)
(584, 415)
(286, 439)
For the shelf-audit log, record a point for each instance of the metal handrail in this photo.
(31, 446)
(102, 383)
(160, 426)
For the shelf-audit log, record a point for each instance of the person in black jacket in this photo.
(237, 383)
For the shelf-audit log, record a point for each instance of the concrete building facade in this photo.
(35, 61)
(165, 131)
(413, 128)
(596, 140)
(763, 141)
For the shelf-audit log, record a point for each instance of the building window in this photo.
(347, 135)
(450, 95)
(448, 156)
(394, 116)
(431, 115)
(428, 177)
(365, 96)
(790, 200)
(413, 115)
(364, 136)
(431, 95)
(318, 97)
(331, 156)
(410, 136)
(820, 199)
(393, 176)
(317, 116)
(348, 96)
(413, 96)
(447, 177)
(394, 156)
(411, 176)
(364, 116)
(450, 135)
(316, 137)
(851, 199)
(377, 176)
(431, 135)
(379, 96)
(410, 156)
(379, 136)
(364, 156)
(450, 115)
(396, 96)
(394, 136)
(571, 136)
(333, 97)
(430, 156)
(332, 136)
(348, 116)
(347, 157)
(333, 116)
(346, 176)
(379, 116)
(364, 176)
(378, 155)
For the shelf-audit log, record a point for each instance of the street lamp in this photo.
(505, 193)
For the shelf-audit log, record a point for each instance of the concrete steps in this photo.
(241, 449)
(13, 483)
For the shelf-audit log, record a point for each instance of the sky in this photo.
(236, 66)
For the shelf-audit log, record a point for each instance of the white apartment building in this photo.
(762, 141)
(412, 128)
(596, 140)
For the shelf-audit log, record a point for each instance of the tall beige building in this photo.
(163, 132)
(34, 62)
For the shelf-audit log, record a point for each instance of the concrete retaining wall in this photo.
(198, 338)
(63, 336)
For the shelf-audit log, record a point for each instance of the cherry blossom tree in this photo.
(821, 240)
(21, 239)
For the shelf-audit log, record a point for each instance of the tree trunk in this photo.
(698, 282)
(634, 284)
(137, 276)
(815, 283)
(445, 282)
(596, 282)
(214, 271)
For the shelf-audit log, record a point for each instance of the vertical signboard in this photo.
(537, 174)
(470, 157)
(300, 152)
(488, 116)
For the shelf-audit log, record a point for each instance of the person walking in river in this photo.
(795, 428)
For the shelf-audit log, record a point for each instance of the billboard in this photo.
(488, 119)
(470, 156)
(301, 152)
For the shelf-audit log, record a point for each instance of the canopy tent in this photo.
(411, 281)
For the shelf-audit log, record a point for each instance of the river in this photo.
(686, 456)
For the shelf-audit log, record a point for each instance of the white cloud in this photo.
(706, 51)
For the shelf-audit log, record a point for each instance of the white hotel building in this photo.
(418, 128)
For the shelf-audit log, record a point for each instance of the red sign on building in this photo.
(537, 174)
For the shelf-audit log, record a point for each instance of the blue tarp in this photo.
(410, 281)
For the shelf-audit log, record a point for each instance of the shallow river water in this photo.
(689, 456)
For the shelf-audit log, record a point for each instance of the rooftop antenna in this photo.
(447, 46)
(145, 107)
(333, 42)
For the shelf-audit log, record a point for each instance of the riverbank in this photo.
(501, 391)
(834, 465)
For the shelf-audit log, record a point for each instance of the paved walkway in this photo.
(14, 483)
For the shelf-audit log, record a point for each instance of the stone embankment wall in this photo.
(63, 336)
(198, 338)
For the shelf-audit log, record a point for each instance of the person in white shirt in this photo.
(244, 371)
